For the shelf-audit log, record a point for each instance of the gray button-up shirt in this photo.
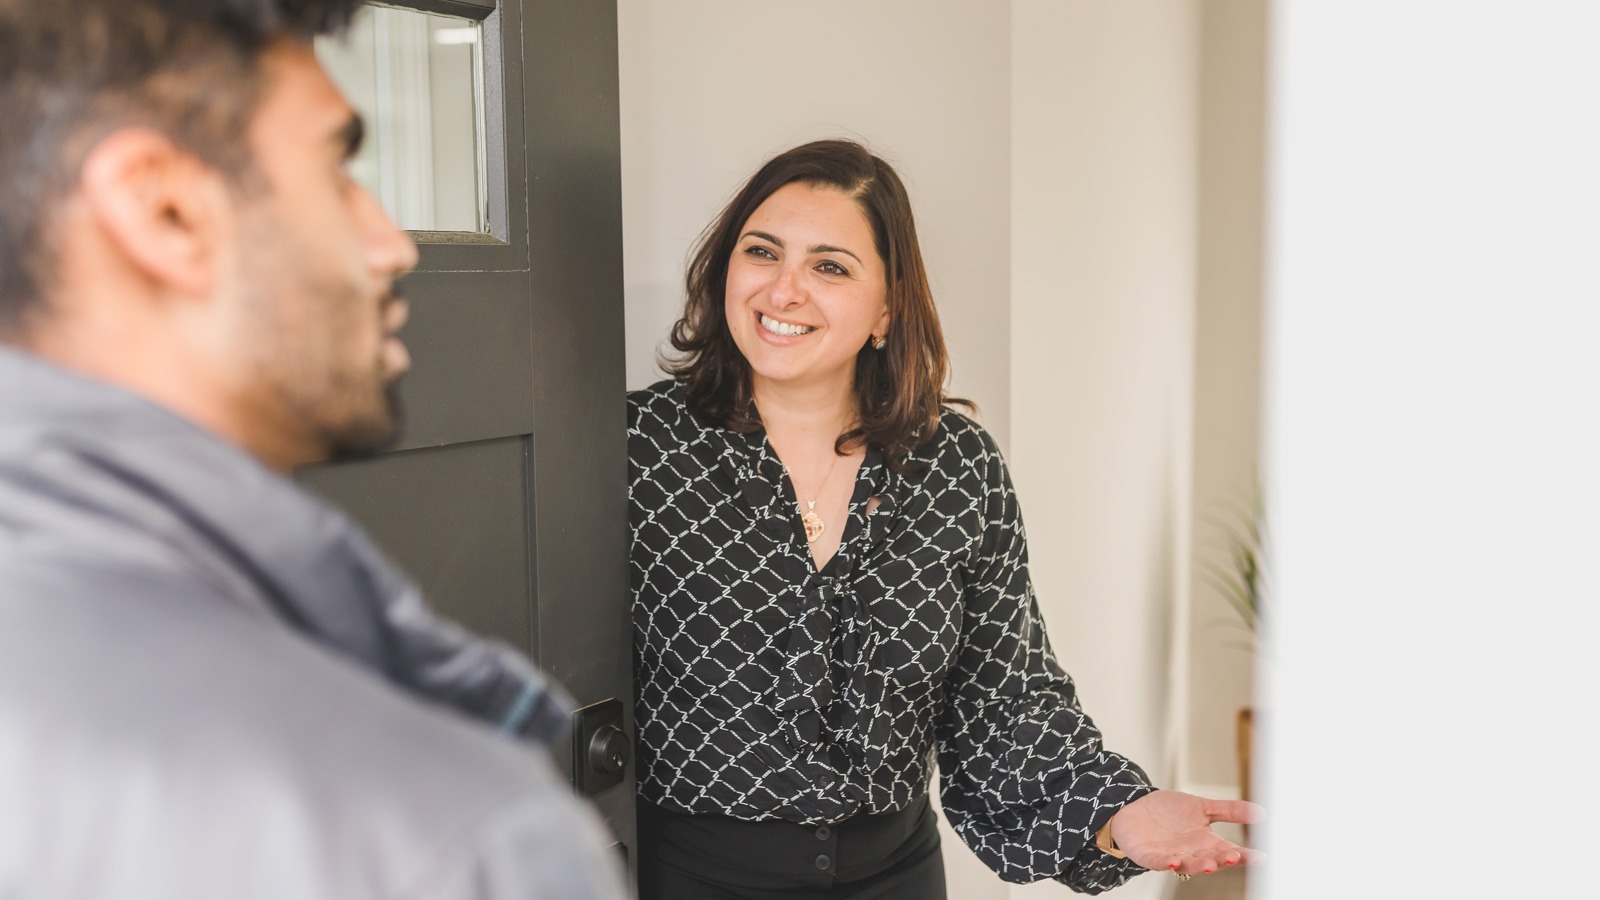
(213, 685)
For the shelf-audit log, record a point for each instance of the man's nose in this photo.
(389, 247)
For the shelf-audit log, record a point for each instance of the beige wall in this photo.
(1103, 246)
(1227, 381)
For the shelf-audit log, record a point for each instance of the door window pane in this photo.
(416, 78)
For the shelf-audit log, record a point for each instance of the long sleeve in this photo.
(1026, 781)
(443, 661)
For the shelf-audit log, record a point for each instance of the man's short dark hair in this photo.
(73, 71)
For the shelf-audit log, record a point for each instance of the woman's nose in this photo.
(785, 290)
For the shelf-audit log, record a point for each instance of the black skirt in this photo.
(894, 856)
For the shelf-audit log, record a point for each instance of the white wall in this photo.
(1434, 314)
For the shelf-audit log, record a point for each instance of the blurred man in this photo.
(212, 685)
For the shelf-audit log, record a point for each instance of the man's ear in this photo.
(160, 205)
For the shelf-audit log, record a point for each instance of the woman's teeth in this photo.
(776, 327)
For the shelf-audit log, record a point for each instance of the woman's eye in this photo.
(760, 251)
(830, 267)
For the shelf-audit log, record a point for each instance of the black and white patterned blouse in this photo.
(769, 690)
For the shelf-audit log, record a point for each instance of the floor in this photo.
(1225, 885)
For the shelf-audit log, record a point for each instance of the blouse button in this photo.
(824, 861)
(823, 832)
(825, 781)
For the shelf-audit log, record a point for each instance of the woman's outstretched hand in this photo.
(1171, 831)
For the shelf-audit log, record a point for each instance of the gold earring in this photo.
(878, 343)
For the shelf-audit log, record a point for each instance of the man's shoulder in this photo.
(261, 744)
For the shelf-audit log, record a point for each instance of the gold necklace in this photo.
(813, 523)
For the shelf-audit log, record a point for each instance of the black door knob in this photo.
(601, 751)
(608, 750)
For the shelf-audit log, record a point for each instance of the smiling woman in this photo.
(831, 587)
(799, 303)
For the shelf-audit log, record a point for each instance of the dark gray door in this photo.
(507, 497)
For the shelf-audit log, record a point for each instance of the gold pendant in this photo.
(812, 522)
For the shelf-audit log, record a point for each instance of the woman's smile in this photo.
(780, 328)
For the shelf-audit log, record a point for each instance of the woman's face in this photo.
(805, 289)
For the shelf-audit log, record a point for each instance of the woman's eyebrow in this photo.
(769, 238)
(815, 248)
(829, 248)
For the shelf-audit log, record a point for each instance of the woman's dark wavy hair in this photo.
(899, 390)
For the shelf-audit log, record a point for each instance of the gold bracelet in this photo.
(1103, 840)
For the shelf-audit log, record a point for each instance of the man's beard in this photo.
(364, 438)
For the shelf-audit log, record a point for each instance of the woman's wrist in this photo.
(1106, 843)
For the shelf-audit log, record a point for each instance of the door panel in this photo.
(456, 518)
(471, 377)
(506, 497)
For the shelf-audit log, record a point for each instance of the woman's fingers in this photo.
(1206, 862)
(1185, 864)
(1252, 857)
(1242, 812)
(1231, 858)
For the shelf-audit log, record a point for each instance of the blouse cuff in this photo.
(1095, 871)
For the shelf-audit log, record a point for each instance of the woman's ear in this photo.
(158, 205)
(881, 330)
